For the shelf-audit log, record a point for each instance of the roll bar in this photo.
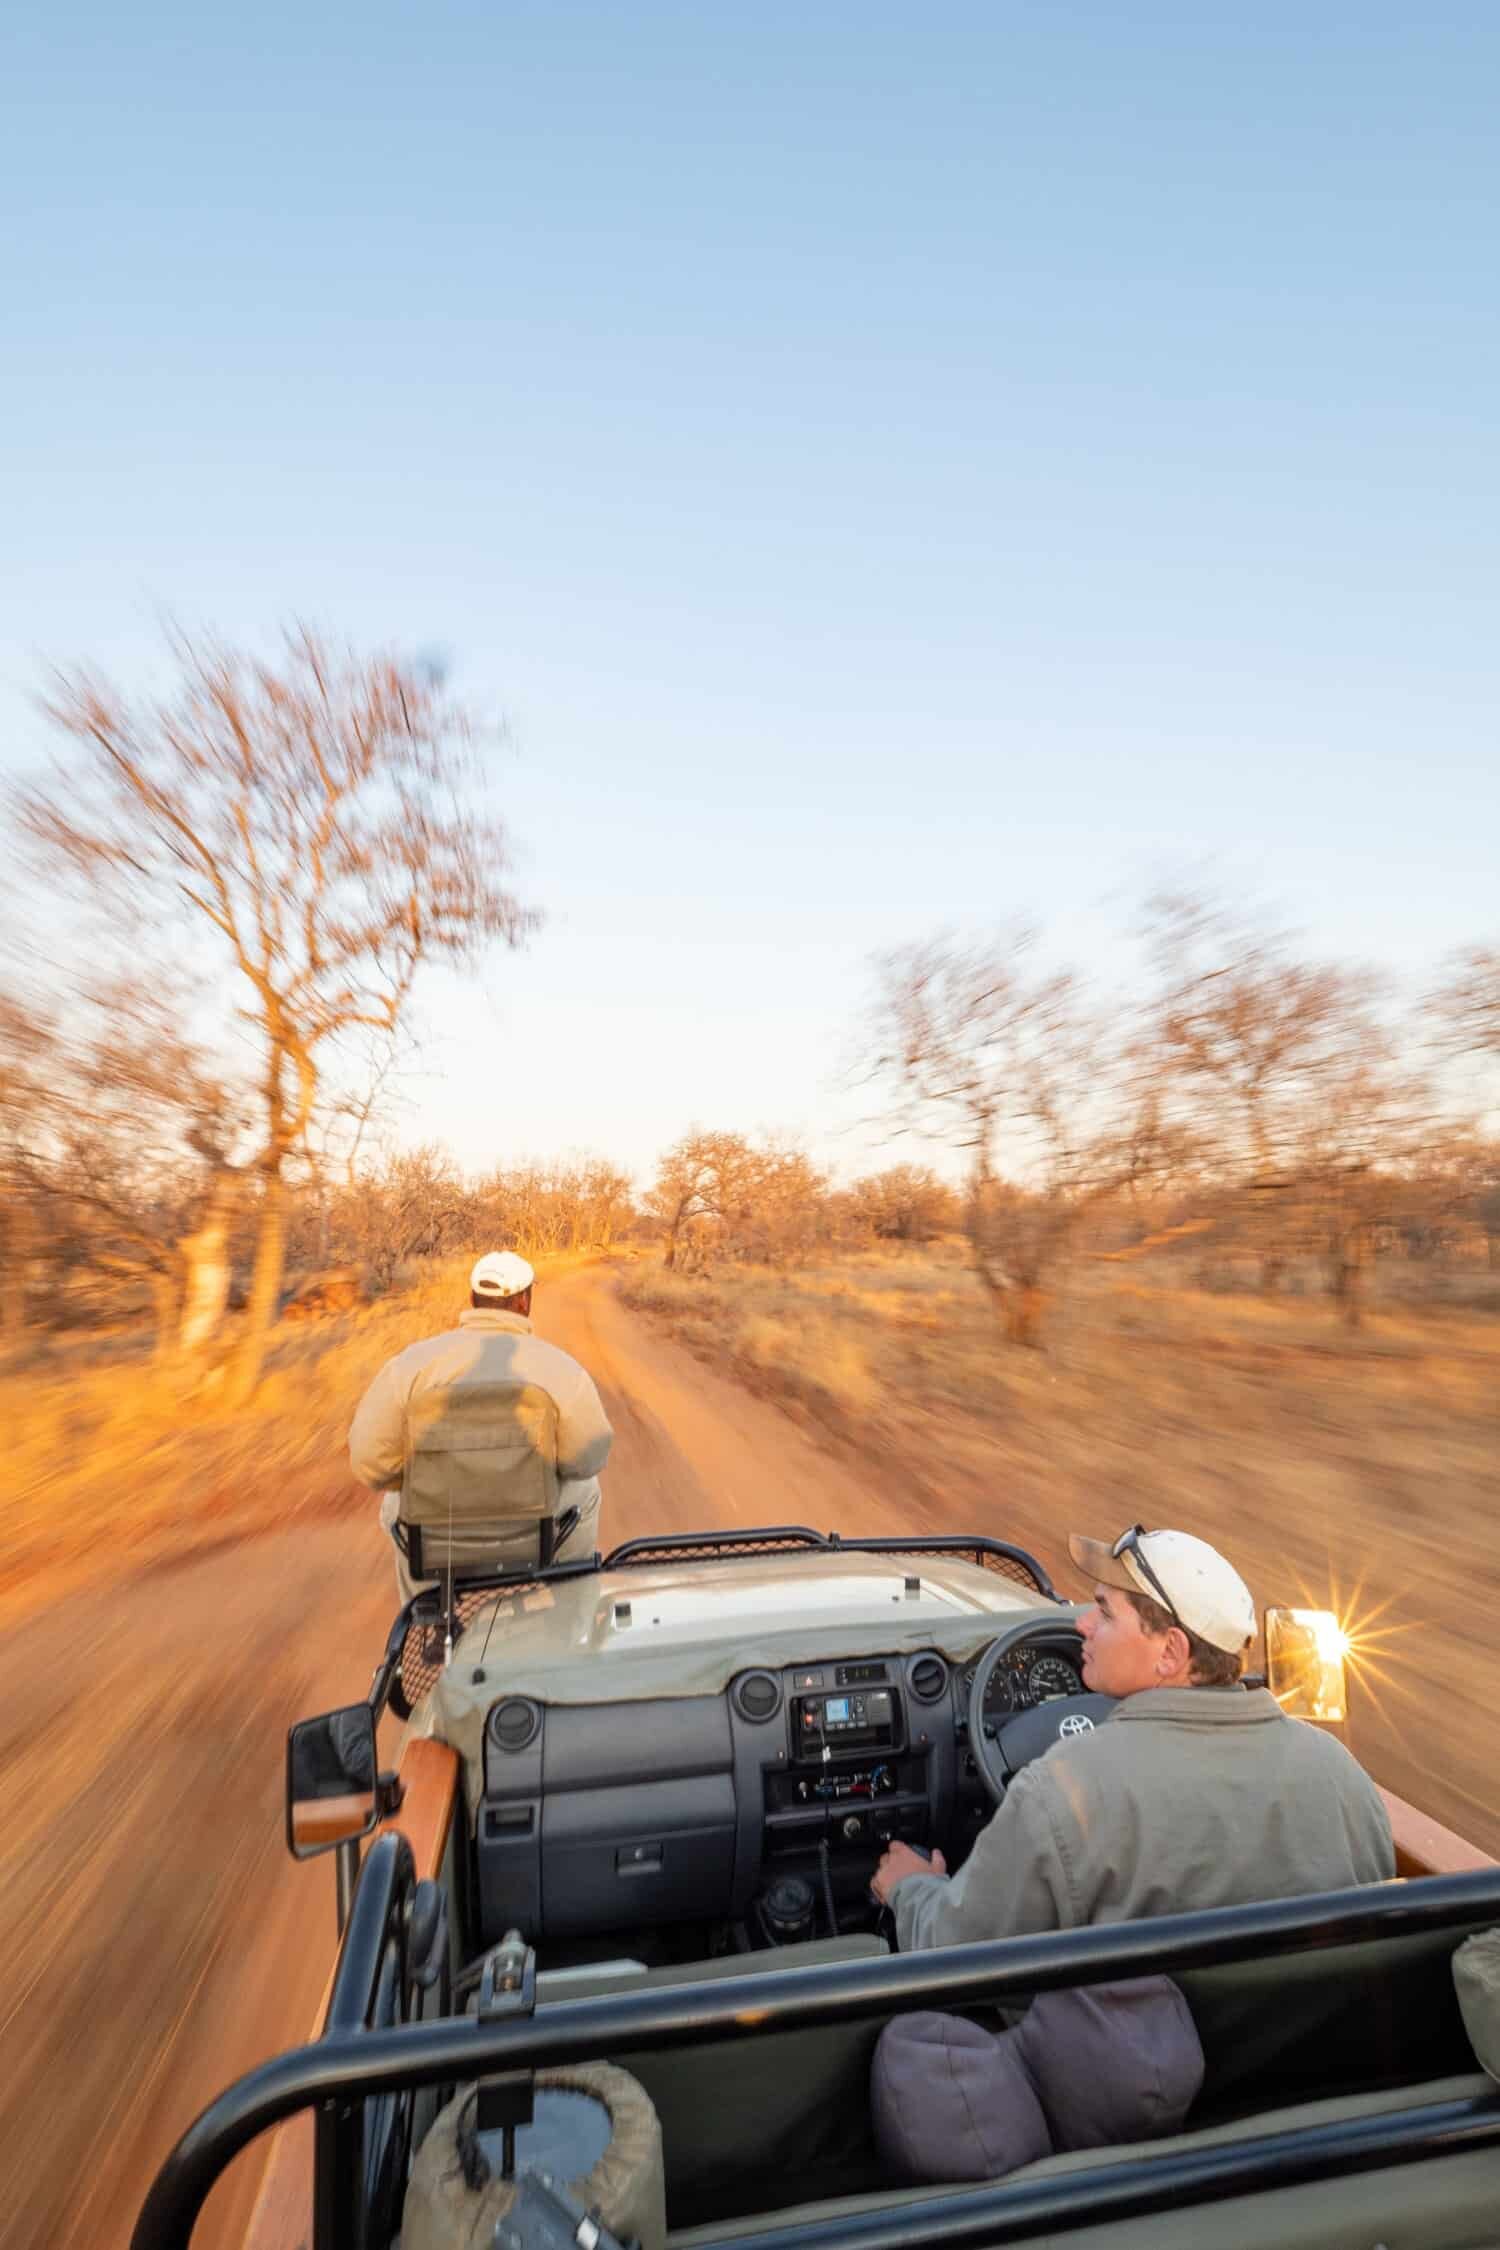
(349, 2065)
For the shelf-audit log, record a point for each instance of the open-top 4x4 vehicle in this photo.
(610, 1968)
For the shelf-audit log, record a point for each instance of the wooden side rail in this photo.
(327, 1820)
(1425, 1847)
(282, 2217)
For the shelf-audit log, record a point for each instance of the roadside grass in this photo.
(1355, 1470)
(1146, 1395)
(111, 1470)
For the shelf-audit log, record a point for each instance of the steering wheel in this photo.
(1000, 1755)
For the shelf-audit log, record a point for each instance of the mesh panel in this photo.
(730, 1544)
(422, 1649)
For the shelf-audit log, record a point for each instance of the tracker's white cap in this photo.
(1208, 1594)
(500, 1273)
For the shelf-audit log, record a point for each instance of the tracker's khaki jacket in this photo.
(488, 1416)
(1183, 1798)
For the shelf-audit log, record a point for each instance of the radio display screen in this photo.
(837, 1710)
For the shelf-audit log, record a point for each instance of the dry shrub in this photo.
(110, 1469)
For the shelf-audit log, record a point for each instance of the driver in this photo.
(1192, 1792)
(493, 1343)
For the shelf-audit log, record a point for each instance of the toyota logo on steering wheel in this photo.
(1077, 1722)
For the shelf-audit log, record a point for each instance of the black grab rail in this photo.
(770, 1538)
(348, 2066)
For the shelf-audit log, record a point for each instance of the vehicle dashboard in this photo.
(608, 1817)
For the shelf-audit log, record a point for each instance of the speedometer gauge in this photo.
(999, 1696)
(1050, 1676)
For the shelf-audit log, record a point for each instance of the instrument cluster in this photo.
(1032, 1673)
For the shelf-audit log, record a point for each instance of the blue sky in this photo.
(891, 468)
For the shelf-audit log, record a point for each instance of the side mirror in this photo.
(332, 1795)
(1305, 1651)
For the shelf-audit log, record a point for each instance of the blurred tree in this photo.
(1469, 1002)
(904, 1203)
(578, 1202)
(703, 1177)
(783, 1209)
(1006, 1062)
(1289, 1080)
(413, 1205)
(310, 819)
(116, 1142)
(722, 1195)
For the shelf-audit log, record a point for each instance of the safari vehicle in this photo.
(634, 1823)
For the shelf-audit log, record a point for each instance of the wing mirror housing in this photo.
(334, 1794)
(1305, 1652)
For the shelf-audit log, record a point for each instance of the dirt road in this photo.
(169, 1942)
(166, 1942)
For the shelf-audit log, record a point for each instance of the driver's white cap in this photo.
(1208, 1594)
(500, 1273)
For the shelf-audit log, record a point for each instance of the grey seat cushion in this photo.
(952, 2102)
(1476, 1979)
(1083, 2069)
(1112, 2062)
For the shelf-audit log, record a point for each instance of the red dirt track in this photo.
(167, 1943)
(170, 1942)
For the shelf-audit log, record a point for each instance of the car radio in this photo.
(856, 1719)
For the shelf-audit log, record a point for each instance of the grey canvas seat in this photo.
(738, 2114)
(480, 1489)
(771, 2129)
(1451, 2203)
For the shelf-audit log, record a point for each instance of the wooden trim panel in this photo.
(282, 2217)
(1425, 1847)
(429, 1784)
(327, 1820)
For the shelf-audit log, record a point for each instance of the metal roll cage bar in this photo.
(338, 2074)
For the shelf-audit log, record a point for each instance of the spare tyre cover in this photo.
(627, 2184)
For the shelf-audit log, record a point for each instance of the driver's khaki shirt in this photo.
(486, 1347)
(1182, 1798)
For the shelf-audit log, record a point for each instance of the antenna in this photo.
(449, 1622)
(484, 1652)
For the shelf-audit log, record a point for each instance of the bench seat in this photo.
(1449, 2203)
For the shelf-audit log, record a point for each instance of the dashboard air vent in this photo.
(928, 1678)
(757, 1696)
(514, 1724)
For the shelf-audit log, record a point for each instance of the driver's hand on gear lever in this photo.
(898, 1861)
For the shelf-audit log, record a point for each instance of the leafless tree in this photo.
(117, 1140)
(719, 1194)
(27, 1043)
(979, 1046)
(904, 1203)
(413, 1205)
(310, 818)
(1290, 1077)
(706, 1176)
(784, 1211)
(1469, 1002)
(576, 1202)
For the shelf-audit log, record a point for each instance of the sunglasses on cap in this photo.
(1129, 1543)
